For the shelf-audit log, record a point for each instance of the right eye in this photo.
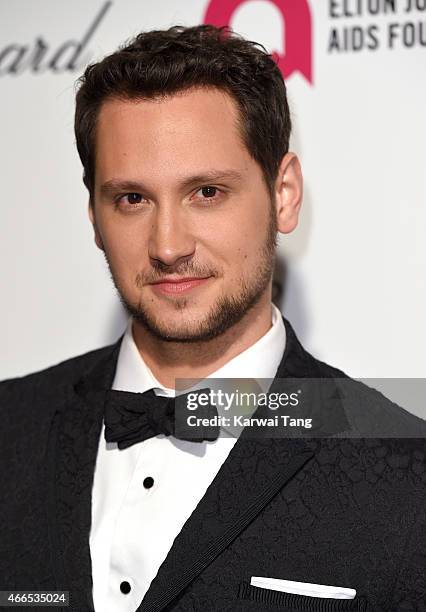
(131, 198)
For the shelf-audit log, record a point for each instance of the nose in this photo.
(170, 241)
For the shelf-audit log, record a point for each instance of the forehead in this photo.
(188, 129)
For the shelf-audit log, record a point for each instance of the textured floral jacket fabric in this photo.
(330, 511)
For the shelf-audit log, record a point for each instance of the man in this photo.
(184, 139)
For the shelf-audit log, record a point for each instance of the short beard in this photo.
(226, 311)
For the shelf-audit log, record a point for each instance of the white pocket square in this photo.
(303, 588)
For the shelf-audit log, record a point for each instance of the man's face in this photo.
(177, 195)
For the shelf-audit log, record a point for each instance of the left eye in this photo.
(133, 198)
(208, 192)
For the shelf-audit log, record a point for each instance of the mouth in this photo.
(179, 285)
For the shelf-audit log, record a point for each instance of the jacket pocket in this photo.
(289, 602)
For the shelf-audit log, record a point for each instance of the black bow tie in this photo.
(134, 417)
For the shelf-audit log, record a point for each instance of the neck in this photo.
(171, 360)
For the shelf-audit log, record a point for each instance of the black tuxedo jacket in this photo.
(332, 511)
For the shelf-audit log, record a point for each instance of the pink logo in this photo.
(298, 32)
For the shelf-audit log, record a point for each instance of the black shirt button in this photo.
(148, 482)
(125, 587)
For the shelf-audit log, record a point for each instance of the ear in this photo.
(288, 193)
(98, 239)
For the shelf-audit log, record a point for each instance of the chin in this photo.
(179, 333)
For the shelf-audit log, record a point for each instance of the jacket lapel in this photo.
(73, 446)
(253, 473)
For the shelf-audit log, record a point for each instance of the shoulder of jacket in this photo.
(60, 374)
(404, 427)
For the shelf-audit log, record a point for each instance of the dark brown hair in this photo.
(162, 62)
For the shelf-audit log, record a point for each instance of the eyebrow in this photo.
(117, 185)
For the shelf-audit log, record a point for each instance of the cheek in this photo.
(243, 240)
(123, 241)
(235, 257)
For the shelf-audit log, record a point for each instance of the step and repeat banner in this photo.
(351, 278)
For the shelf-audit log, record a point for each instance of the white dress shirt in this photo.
(143, 495)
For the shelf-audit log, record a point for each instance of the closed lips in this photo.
(179, 280)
